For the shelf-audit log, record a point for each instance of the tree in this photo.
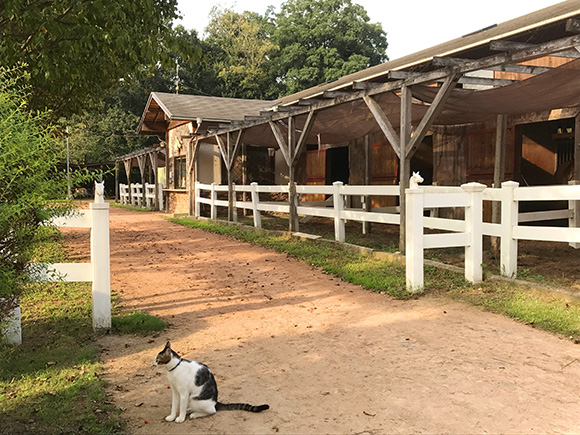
(240, 50)
(28, 181)
(76, 51)
(322, 41)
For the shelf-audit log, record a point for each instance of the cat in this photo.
(194, 388)
(415, 180)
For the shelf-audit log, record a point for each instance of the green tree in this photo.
(76, 51)
(240, 53)
(29, 179)
(322, 41)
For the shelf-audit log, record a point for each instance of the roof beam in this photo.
(573, 25)
(305, 133)
(468, 80)
(378, 88)
(511, 47)
(334, 94)
(308, 101)
(281, 141)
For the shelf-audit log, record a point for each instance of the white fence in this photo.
(97, 271)
(140, 195)
(467, 232)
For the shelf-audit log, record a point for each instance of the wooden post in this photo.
(405, 164)
(116, 181)
(229, 166)
(127, 164)
(577, 147)
(292, 196)
(155, 165)
(367, 204)
(498, 171)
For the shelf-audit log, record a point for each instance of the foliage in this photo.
(242, 50)
(322, 41)
(28, 181)
(78, 50)
(137, 322)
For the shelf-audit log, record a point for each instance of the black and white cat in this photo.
(194, 388)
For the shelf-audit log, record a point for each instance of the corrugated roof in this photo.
(507, 29)
(192, 107)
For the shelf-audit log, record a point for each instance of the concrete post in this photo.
(339, 233)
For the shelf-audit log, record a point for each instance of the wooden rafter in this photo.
(281, 141)
(384, 123)
(304, 135)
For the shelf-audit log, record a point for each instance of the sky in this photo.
(411, 25)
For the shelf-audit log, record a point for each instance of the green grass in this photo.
(51, 383)
(547, 311)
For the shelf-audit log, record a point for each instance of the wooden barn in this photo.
(499, 103)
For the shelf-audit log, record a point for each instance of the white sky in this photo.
(411, 25)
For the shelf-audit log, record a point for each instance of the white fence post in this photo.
(12, 328)
(101, 264)
(339, 233)
(213, 214)
(574, 207)
(474, 229)
(234, 201)
(509, 219)
(197, 202)
(414, 239)
(255, 201)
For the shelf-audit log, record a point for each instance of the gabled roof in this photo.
(164, 111)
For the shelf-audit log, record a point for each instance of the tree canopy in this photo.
(322, 41)
(76, 51)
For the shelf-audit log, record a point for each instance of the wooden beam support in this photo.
(301, 144)
(308, 101)
(573, 25)
(384, 123)
(222, 148)
(468, 80)
(567, 50)
(335, 94)
(432, 113)
(281, 142)
(577, 147)
(404, 162)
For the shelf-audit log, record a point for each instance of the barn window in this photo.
(180, 172)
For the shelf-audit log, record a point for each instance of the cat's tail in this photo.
(240, 406)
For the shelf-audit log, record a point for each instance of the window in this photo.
(180, 172)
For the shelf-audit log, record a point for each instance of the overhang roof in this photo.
(164, 110)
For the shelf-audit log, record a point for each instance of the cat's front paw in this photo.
(180, 419)
(170, 417)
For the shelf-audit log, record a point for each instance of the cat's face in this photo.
(164, 356)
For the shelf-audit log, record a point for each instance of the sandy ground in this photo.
(327, 356)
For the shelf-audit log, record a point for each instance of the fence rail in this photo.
(141, 195)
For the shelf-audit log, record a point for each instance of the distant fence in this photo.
(97, 271)
(465, 232)
(140, 195)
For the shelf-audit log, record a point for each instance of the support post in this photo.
(101, 263)
(474, 228)
(213, 208)
(574, 207)
(405, 163)
(509, 219)
(255, 202)
(116, 181)
(414, 250)
(498, 171)
(339, 233)
(367, 202)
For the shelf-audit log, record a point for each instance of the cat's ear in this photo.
(167, 345)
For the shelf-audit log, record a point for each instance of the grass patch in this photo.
(51, 383)
(544, 310)
(137, 322)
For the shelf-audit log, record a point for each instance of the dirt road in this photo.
(327, 356)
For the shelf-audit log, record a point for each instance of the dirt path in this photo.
(329, 357)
